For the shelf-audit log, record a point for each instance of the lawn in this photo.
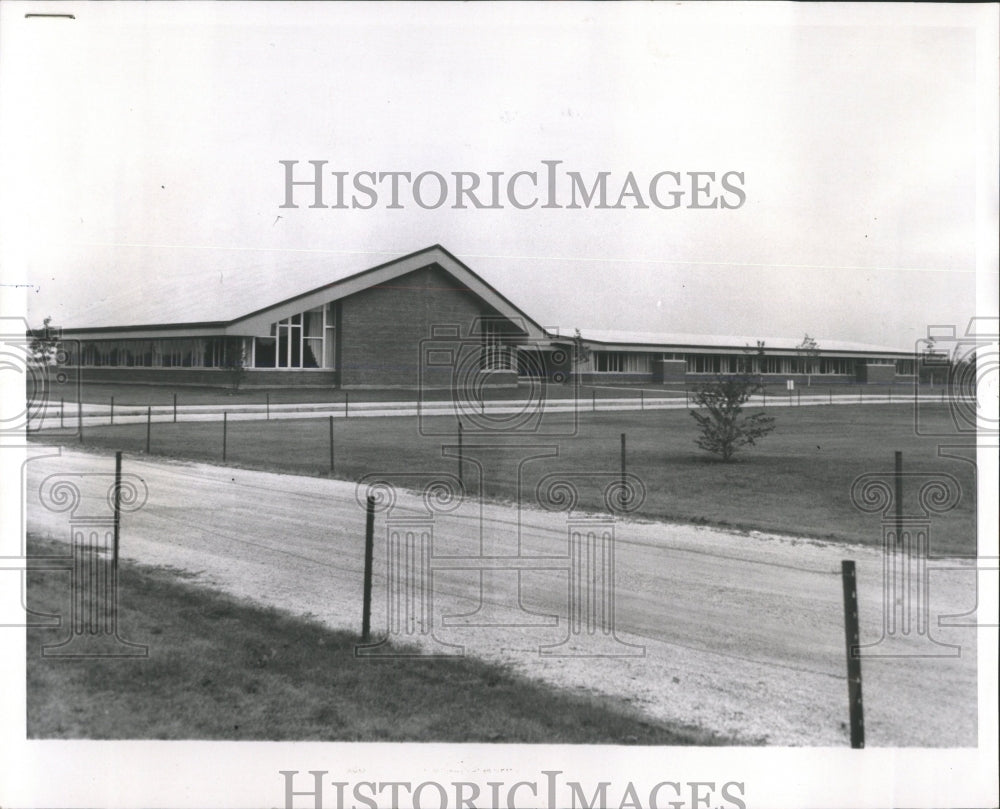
(219, 668)
(797, 480)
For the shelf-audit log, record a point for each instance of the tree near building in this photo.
(808, 351)
(44, 343)
(721, 421)
(581, 351)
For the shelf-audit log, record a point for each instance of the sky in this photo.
(144, 146)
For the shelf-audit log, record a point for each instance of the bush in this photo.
(724, 428)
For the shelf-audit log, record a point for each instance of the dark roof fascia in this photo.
(222, 325)
(382, 266)
(216, 324)
(679, 347)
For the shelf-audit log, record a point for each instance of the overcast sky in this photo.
(160, 128)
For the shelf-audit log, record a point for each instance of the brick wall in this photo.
(876, 374)
(381, 328)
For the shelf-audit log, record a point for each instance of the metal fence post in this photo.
(331, 445)
(225, 429)
(117, 506)
(149, 426)
(624, 496)
(853, 640)
(366, 611)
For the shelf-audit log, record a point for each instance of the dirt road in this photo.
(742, 634)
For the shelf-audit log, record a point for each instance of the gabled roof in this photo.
(670, 341)
(251, 300)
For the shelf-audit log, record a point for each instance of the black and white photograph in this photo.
(578, 405)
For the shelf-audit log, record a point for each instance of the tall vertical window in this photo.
(304, 340)
(495, 355)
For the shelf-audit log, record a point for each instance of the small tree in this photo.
(724, 428)
(44, 343)
(581, 351)
(236, 368)
(808, 351)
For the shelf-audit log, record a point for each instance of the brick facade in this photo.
(381, 328)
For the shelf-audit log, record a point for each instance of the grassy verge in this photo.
(797, 481)
(219, 668)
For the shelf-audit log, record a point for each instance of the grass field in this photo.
(797, 481)
(222, 669)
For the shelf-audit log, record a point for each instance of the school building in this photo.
(426, 319)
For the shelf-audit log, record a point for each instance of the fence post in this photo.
(593, 401)
(79, 419)
(829, 392)
(62, 413)
(798, 397)
(460, 478)
(898, 485)
(366, 611)
(642, 399)
(225, 430)
(175, 408)
(624, 495)
(347, 400)
(331, 445)
(853, 640)
(112, 410)
(149, 426)
(267, 405)
(117, 506)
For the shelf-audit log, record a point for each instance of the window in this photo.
(495, 356)
(621, 362)
(304, 340)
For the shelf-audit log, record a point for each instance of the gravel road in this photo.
(739, 633)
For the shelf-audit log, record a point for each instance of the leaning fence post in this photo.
(149, 425)
(366, 610)
(225, 429)
(853, 639)
(117, 506)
